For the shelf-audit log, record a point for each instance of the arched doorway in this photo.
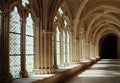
(108, 47)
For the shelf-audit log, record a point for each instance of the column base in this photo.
(44, 71)
(55, 66)
(6, 79)
(24, 74)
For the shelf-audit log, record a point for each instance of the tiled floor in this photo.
(104, 71)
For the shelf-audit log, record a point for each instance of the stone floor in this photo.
(33, 78)
(104, 71)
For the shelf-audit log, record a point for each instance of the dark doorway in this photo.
(108, 47)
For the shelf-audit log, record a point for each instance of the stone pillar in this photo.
(6, 76)
(72, 58)
(74, 51)
(47, 57)
(91, 51)
(61, 50)
(77, 52)
(55, 53)
(37, 50)
(50, 51)
(97, 51)
(23, 71)
(86, 50)
(82, 50)
(94, 52)
(71, 50)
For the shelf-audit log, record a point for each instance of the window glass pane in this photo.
(58, 46)
(30, 66)
(29, 25)
(29, 45)
(14, 43)
(15, 29)
(15, 21)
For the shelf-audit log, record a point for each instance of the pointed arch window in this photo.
(30, 44)
(15, 45)
(58, 46)
(25, 2)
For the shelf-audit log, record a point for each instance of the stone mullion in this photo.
(6, 76)
(23, 71)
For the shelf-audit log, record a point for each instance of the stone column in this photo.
(37, 50)
(72, 42)
(94, 52)
(82, 50)
(86, 51)
(77, 52)
(71, 50)
(97, 51)
(55, 53)
(47, 57)
(50, 54)
(6, 76)
(61, 50)
(74, 51)
(23, 71)
(91, 51)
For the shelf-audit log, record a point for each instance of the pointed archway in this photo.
(108, 47)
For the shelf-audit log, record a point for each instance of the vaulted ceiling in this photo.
(94, 16)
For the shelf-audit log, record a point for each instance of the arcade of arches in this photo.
(42, 36)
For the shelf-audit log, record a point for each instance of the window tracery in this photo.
(25, 2)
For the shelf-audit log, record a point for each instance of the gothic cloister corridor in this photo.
(59, 41)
